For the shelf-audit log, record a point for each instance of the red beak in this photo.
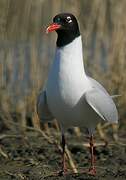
(52, 27)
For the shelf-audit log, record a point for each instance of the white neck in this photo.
(71, 57)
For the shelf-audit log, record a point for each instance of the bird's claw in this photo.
(92, 171)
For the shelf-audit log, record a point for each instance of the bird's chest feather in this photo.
(65, 84)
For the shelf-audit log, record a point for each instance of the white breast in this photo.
(67, 82)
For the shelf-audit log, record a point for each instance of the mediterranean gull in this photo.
(69, 95)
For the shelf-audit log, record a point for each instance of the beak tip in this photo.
(52, 27)
(47, 30)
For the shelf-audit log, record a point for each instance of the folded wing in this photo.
(96, 84)
(102, 104)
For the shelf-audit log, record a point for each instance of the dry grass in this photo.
(26, 52)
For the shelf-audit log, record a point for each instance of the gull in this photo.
(70, 95)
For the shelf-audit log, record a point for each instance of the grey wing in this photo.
(102, 104)
(96, 84)
(43, 111)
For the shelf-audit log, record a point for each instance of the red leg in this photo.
(63, 142)
(92, 169)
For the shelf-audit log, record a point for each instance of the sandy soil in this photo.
(34, 158)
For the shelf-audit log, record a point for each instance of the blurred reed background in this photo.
(26, 52)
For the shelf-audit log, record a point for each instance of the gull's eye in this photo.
(68, 19)
(58, 20)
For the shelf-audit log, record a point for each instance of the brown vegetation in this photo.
(26, 52)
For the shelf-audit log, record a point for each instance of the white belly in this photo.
(68, 105)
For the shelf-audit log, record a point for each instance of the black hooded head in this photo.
(66, 26)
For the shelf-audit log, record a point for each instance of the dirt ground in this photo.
(34, 158)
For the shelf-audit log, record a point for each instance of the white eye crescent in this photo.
(69, 20)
